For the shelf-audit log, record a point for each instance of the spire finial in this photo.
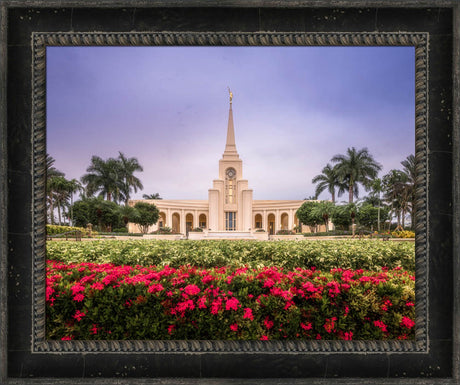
(231, 94)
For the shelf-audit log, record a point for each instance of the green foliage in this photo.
(327, 254)
(145, 215)
(284, 232)
(55, 230)
(103, 214)
(342, 216)
(309, 215)
(367, 215)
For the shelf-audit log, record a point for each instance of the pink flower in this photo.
(77, 288)
(234, 327)
(192, 289)
(330, 323)
(97, 286)
(306, 326)
(171, 329)
(201, 302)
(248, 313)
(381, 326)
(409, 304)
(79, 297)
(94, 329)
(216, 306)
(67, 338)
(232, 304)
(264, 338)
(268, 323)
(78, 315)
(155, 288)
(407, 323)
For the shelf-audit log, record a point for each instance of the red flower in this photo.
(248, 313)
(171, 329)
(97, 286)
(78, 315)
(409, 304)
(234, 327)
(381, 326)
(306, 326)
(67, 338)
(155, 288)
(79, 297)
(192, 289)
(330, 323)
(268, 323)
(264, 338)
(232, 304)
(407, 323)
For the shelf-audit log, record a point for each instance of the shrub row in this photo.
(55, 230)
(325, 255)
(105, 301)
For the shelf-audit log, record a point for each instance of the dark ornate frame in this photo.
(27, 27)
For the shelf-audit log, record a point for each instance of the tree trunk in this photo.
(333, 196)
(109, 196)
(59, 213)
(403, 220)
(350, 192)
(51, 211)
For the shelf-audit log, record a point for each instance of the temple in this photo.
(229, 211)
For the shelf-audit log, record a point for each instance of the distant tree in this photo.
(309, 215)
(152, 196)
(145, 215)
(395, 193)
(104, 215)
(105, 177)
(325, 210)
(356, 167)
(128, 166)
(342, 216)
(127, 214)
(369, 216)
(329, 180)
(52, 171)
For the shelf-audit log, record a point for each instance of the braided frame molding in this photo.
(42, 40)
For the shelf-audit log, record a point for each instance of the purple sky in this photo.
(294, 108)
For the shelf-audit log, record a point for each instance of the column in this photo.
(182, 221)
(168, 218)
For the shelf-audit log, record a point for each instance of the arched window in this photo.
(230, 185)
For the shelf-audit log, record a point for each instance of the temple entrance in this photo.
(271, 224)
(202, 221)
(258, 221)
(176, 223)
(188, 223)
(230, 221)
(284, 221)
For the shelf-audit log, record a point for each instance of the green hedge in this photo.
(327, 254)
(56, 230)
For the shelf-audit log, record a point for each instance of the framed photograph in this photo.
(237, 193)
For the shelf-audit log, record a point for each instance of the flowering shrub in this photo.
(107, 301)
(403, 234)
(55, 229)
(325, 255)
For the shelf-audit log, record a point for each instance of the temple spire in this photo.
(230, 147)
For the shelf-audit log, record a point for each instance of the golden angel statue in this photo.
(230, 93)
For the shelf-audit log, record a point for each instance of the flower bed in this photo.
(325, 255)
(107, 301)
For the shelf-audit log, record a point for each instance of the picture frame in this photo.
(27, 26)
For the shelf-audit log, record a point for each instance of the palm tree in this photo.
(103, 176)
(325, 210)
(152, 196)
(395, 192)
(409, 168)
(357, 166)
(128, 166)
(73, 186)
(377, 188)
(52, 171)
(328, 179)
(59, 186)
